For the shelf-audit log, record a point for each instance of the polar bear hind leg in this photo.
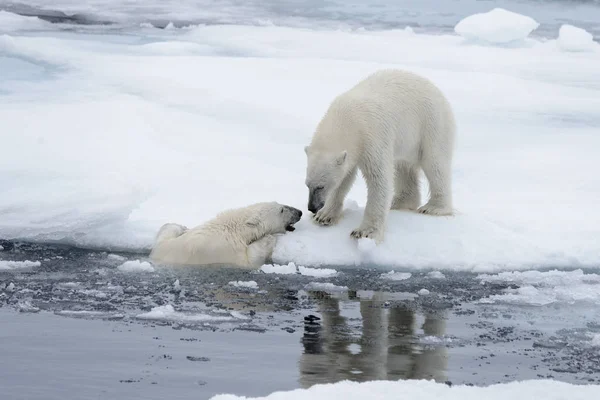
(406, 188)
(436, 161)
(440, 201)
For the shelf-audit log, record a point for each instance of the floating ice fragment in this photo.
(572, 38)
(496, 26)
(243, 284)
(136, 266)
(436, 275)
(18, 264)
(291, 269)
(396, 276)
(325, 287)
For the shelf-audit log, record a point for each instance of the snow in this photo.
(572, 38)
(537, 288)
(168, 313)
(423, 292)
(245, 284)
(291, 268)
(201, 118)
(136, 266)
(8, 265)
(497, 26)
(426, 390)
(366, 245)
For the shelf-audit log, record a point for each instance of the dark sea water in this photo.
(73, 328)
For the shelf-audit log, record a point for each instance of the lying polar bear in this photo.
(242, 237)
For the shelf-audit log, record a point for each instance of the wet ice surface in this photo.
(93, 329)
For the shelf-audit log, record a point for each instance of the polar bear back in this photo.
(200, 246)
(397, 106)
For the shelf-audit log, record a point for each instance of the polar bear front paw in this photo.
(328, 215)
(261, 251)
(369, 232)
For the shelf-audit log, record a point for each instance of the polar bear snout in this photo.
(294, 215)
(316, 200)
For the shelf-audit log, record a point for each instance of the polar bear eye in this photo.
(281, 210)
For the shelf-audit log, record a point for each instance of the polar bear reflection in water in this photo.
(385, 349)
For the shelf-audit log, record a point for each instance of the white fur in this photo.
(390, 125)
(240, 237)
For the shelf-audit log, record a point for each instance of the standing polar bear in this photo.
(242, 237)
(389, 126)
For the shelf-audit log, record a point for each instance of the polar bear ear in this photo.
(253, 222)
(306, 149)
(341, 158)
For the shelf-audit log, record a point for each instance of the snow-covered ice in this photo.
(497, 26)
(428, 390)
(202, 117)
(572, 38)
(136, 266)
(244, 284)
(8, 265)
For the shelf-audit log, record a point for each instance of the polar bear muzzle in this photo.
(294, 216)
(316, 199)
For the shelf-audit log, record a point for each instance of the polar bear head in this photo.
(325, 172)
(270, 218)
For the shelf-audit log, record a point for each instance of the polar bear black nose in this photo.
(312, 208)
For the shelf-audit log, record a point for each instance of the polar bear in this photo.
(242, 237)
(390, 125)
